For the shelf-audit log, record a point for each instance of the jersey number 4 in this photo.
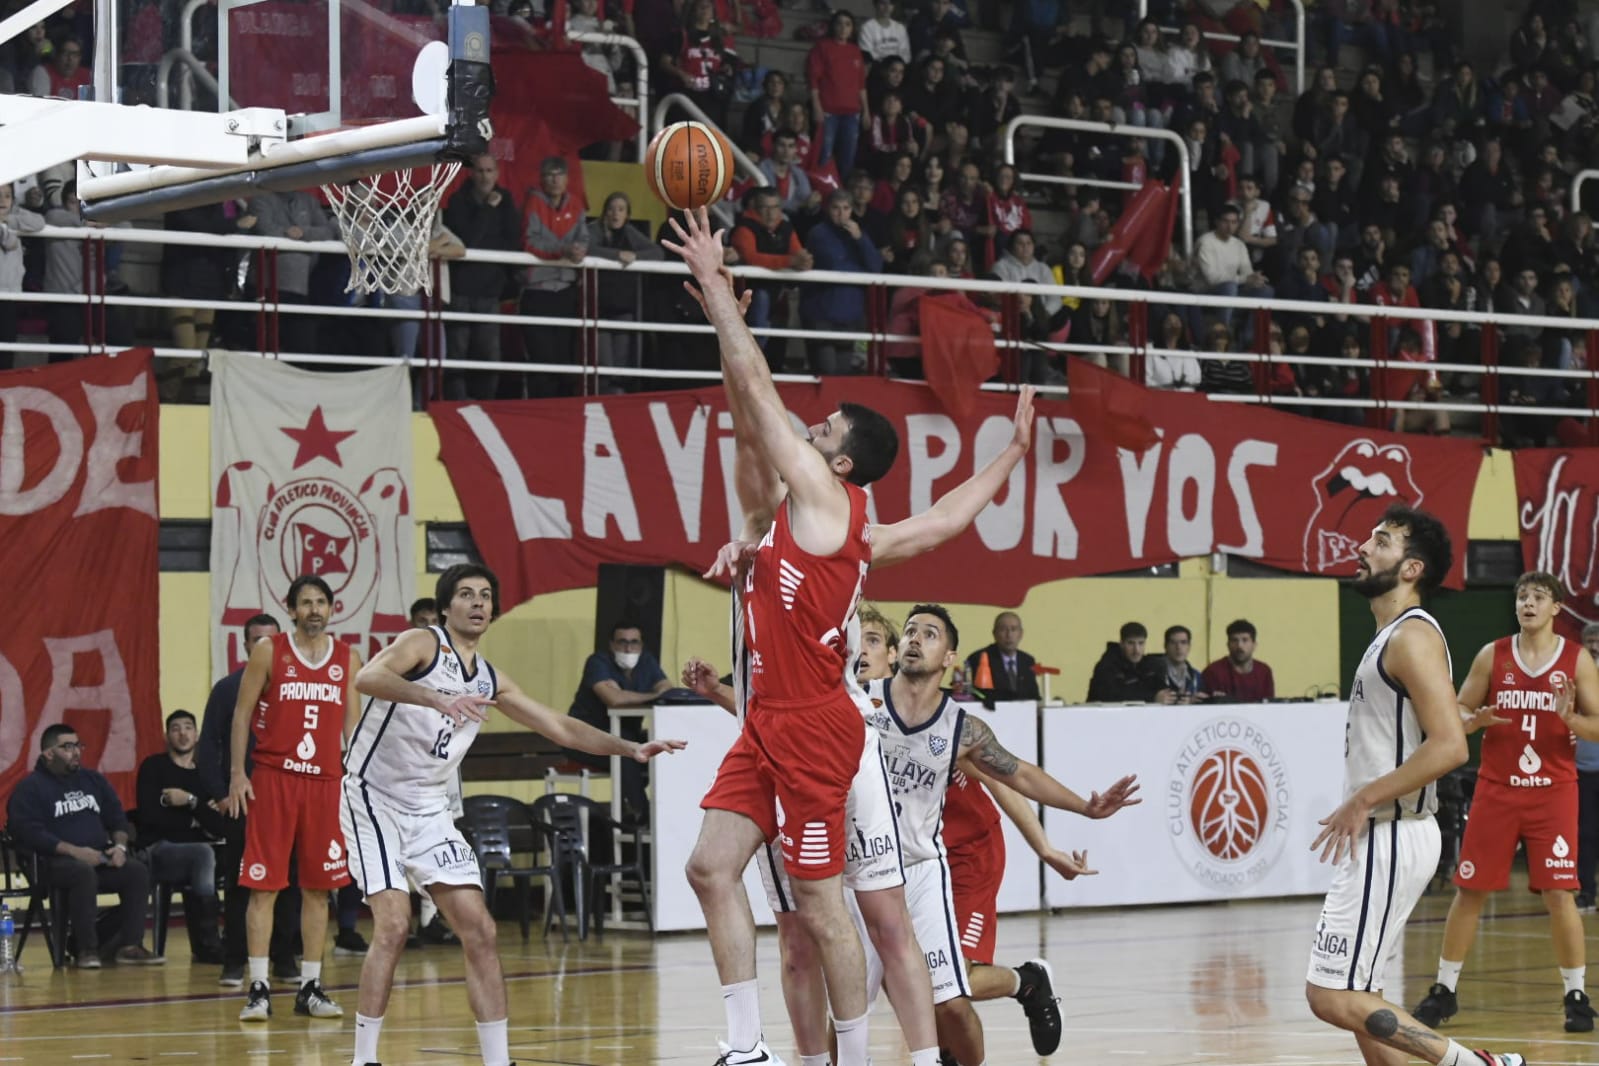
(1529, 726)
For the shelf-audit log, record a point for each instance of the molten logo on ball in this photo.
(1228, 804)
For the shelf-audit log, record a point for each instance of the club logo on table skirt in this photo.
(1227, 803)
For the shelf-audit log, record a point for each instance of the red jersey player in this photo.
(1535, 692)
(296, 692)
(789, 773)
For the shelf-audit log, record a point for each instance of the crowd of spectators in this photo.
(1401, 176)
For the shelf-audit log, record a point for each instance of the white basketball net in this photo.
(387, 221)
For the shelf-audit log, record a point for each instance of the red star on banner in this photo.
(317, 440)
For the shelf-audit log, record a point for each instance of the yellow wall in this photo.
(543, 643)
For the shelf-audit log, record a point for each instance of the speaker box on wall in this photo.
(636, 593)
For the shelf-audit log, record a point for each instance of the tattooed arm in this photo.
(982, 754)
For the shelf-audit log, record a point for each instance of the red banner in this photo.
(78, 536)
(552, 488)
(1557, 508)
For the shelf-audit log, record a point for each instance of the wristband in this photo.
(120, 847)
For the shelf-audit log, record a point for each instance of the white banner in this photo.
(1232, 795)
(312, 475)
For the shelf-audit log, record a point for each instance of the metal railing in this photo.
(1185, 174)
(641, 98)
(190, 68)
(1297, 45)
(1576, 188)
(877, 333)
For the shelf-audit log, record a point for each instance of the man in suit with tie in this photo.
(1011, 668)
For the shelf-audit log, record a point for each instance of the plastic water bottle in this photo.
(8, 941)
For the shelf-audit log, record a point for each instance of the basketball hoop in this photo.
(387, 224)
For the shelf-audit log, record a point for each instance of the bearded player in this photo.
(296, 691)
(1534, 693)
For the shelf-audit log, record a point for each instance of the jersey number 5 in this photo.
(311, 713)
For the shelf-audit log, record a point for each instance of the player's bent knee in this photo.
(1327, 1004)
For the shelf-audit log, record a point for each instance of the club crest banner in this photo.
(311, 474)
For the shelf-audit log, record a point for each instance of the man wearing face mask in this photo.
(622, 675)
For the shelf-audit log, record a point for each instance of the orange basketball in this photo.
(688, 165)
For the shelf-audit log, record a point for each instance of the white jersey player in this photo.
(1404, 733)
(428, 694)
(924, 737)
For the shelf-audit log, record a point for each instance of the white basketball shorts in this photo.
(1372, 895)
(387, 847)
(931, 902)
(872, 859)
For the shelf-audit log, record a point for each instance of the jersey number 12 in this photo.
(441, 744)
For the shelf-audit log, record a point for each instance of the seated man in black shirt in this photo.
(177, 822)
(623, 675)
(1124, 674)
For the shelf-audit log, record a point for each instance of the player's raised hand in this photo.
(1341, 830)
(646, 752)
(743, 301)
(700, 676)
(1123, 793)
(1565, 699)
(1069, 864)
(463, 710)
(1482, 718)
(700, 247)
(731, 556)
(1023, 435)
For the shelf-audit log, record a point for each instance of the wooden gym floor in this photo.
(1163, 986)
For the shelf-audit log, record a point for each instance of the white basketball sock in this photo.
(1574, 979)
(852, 1037)
(743, 1005)
(925, 1057)
(1455, 1055)
(366, 1038)
(310, 971)
(1449, 972)
(815, 1060)
(258, 969)
(494, 1041)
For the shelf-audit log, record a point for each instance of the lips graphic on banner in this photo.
(553, 488)
(312, 474)
(78, 548)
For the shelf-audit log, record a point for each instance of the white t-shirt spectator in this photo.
(1011, 269)
(1258, 221)
(1180, 371)
(1218, 262)
(880, 41)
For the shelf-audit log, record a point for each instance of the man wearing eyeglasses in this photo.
(71, 818)
(623, 675)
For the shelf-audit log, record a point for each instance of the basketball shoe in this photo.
(1040, 1004)
(1579, 1012)
(1439, 1005)
(759, 1054)
(258, 1008)
(314, 1003)
(1502, 1059)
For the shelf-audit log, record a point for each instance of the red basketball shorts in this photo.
(298, 814)
(1544, 820)
(789, 772)
(976, 869)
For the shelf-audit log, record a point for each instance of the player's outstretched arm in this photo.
(570, 732)
(750, 389)
(981, 754)
(701, 677)
(384, 678)
(1417, 659)
(257, 672)
(1068, 864)
(958, 508)
(1475, 712)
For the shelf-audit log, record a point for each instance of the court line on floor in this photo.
(202, 997)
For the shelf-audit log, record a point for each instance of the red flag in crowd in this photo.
(958, 351)
(1141, 236)
(1109, 407)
